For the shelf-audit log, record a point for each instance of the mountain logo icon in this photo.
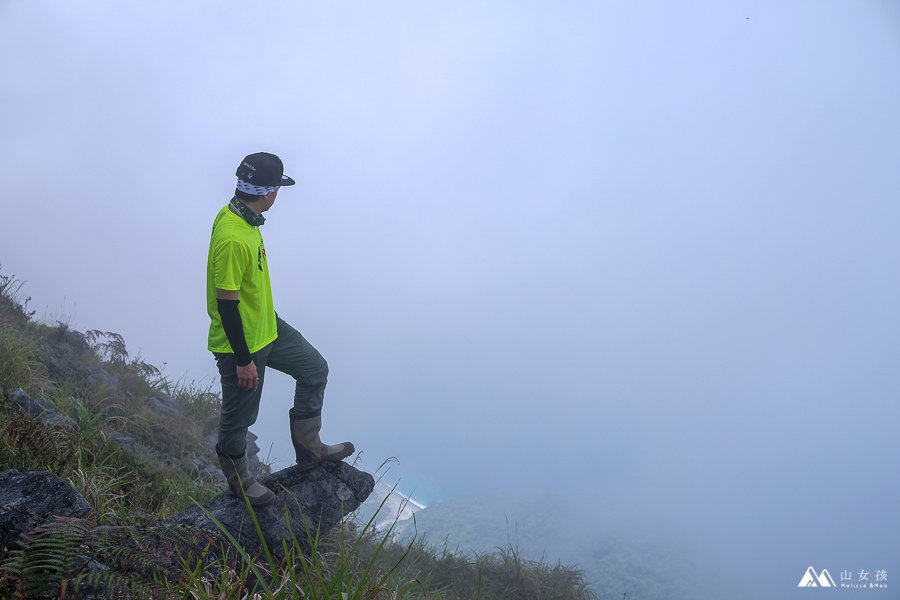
(811, 579)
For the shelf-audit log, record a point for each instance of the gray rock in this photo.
(31, 498)
(127, 443)
(33, 406)
(55, 419)
(95, 592)
(38, 408)
(319, 499)
(65, 348)
(191, 464)
(54, 366)
(73, 341)
(100, 377)
(254, 464)
(212, 473)
(253, 460)
(168, 404)
(203, 468)
(252, 451)
(252, 446)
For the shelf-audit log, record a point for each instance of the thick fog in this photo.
(641, 253)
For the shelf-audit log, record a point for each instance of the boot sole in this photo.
(256, 503)
(308, 467)
(261, 504)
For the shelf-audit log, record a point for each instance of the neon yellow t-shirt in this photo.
(237, 261)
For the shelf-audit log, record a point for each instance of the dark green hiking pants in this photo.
(290, 353)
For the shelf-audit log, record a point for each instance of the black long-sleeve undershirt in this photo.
(234, 330)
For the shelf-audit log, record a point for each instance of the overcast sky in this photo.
(644, 250)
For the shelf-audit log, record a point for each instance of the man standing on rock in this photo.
(246, 336)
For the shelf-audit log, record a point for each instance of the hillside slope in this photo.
(545, 527)
(138, 448)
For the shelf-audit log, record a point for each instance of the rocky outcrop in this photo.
(43, 410)
(64, 350)
(30, 499)
(252, 451)
(313, 501)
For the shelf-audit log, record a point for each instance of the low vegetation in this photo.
(115, 404)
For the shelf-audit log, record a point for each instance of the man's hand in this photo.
(247, 376)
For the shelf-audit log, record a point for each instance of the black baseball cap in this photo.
(263, 169)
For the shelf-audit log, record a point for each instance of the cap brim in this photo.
(285, 180)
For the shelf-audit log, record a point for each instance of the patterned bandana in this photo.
(243, 211)
(256, 190)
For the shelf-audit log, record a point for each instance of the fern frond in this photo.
(135, 561)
